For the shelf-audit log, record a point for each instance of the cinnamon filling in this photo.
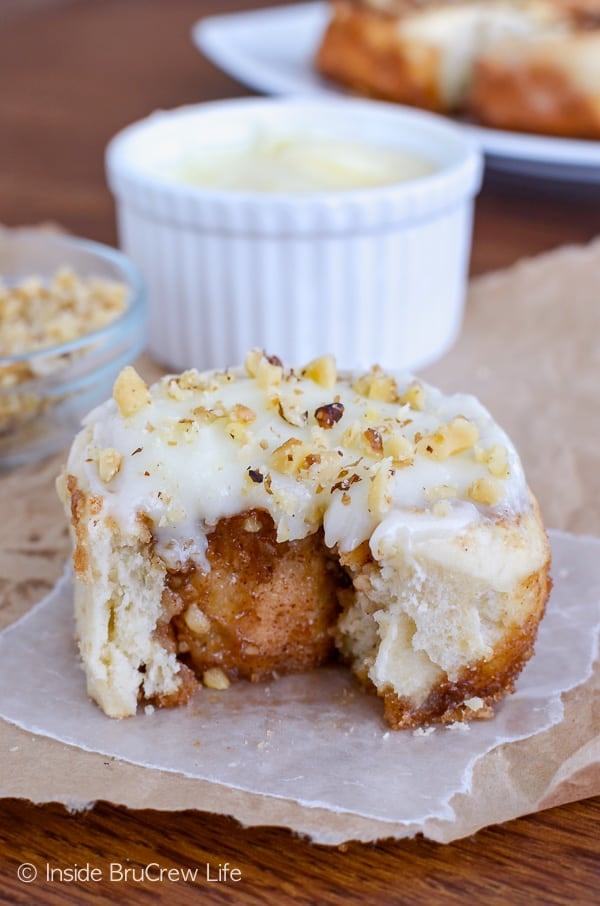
(263, 609)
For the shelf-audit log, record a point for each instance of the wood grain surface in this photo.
(550, 858)
(71, 74)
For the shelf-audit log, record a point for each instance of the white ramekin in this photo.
(372, 275)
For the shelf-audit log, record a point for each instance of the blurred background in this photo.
(74, 72)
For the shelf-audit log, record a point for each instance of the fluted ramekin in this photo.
(372, 275)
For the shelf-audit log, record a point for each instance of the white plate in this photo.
(272, 51)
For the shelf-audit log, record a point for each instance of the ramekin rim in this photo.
(467, 169)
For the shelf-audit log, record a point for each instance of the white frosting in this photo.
(186, 475)
(296, 163)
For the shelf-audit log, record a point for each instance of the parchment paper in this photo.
(530, 351)
(316, 739)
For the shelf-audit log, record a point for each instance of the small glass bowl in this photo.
(40, 415)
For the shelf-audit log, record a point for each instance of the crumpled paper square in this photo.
(314, 739)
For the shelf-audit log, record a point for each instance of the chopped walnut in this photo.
(289, 456)
(322, 371)
(329, 415)
(346, 481)
(268, 372)
(293, 412)
(252, 524)
(130, 392)
(203, 415)
(241, 413)
(251, 361)
(37, 314)
(486, 491)
(323, 467)
(239, 432)
(377, 385)
(414, 396)
(379, 499)
(215, 678)
(196, 620)
(175, 391)
(190, 380)
(496, 459)
(454, 437)
(180, 431)
(241, 416)
(374, 442)
(109, 464)
(398, 447)
(441, 492)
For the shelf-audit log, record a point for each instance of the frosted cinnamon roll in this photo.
(251, 522)
(531, 65)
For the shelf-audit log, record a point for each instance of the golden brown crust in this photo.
(490, 680)
(78, 521)
(270, 606)
(187, 686)
(532, 97)
(362, 50)
(267, 608)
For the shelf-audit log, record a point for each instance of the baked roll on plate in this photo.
(251, 522)
(529, 65)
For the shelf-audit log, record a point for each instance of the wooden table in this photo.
(71, 75)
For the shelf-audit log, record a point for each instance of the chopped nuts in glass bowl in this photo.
(72, 314)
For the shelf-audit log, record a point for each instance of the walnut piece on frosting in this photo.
(244, 414)
(322, 371)
(441, 492)
(398, 447)
(109, 464)
(486, 491)
(373, 442)
(379, 499)
(130, 392)
(496, 459)
(292, 411)
(289, 456)
(377, 385)
(454, 437)
(414, 396)
(267, 370)
(252, 360)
